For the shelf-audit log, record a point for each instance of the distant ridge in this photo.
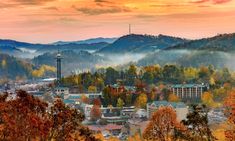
(135, 43)
(88, 41)
(222, 42)
(217, 51)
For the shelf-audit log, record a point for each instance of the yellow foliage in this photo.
(173, 98)
(207, 98)
(141, 100)
(190, 72)
(4, 63)
(92, 89)
(219, 131)
(219, 134)
(212, 81)
(42, 70)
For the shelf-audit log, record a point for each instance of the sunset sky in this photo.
(45, 21)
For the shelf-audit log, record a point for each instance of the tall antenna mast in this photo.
(129, 29)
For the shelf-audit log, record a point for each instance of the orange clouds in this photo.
(102, 7)
(51, 20)
(31, 1)
(213, 1)
(221, 1)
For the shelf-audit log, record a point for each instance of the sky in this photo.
(46, 21)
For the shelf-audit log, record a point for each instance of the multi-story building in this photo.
(189, 92)
(180, 108)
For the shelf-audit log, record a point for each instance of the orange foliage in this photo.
(207, 98)
(136, 137)
(230, 104)
(85, 99)
(161, 125)
(28, 118)
(95, 112)
(23, 118)
(173, 98)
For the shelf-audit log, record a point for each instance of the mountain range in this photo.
(141, 44)
(142, 49)
(88, 41)
(222, 42)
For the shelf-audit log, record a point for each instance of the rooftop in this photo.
(166, 103)
(68, 101)
(187, 85)
(105, 127)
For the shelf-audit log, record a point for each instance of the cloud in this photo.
(199, 1)
(101, 1)
(6, 5)
(31, 2)
(52, 8)
(104, 10)
(168, 5)
(221, 1)
(213, 1)
(145, 16)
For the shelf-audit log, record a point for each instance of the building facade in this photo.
(180, 108)
(189, 92)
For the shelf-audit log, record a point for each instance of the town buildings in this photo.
(189, 92)
(180, 108)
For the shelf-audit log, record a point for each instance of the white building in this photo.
(189, 92)
(180, 108)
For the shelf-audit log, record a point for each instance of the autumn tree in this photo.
(23, 118)
(141, 101)
(197, 123)
(207, 98)
(66, 123)
(172, 73)
(148, 77)
(204, 74)
(173, 98)
(111, 75)
(131, 75)
(97, 102)
(230, 111)
(27, 118)
(95, 113)
(84, 99)
(120, 103)
(135, 137)
(42, 70)
(92, 89)
(190, 73)
(162, 125)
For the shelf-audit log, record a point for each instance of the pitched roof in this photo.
(166, 103)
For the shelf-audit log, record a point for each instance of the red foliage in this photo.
(97, 102)
(28, 118)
